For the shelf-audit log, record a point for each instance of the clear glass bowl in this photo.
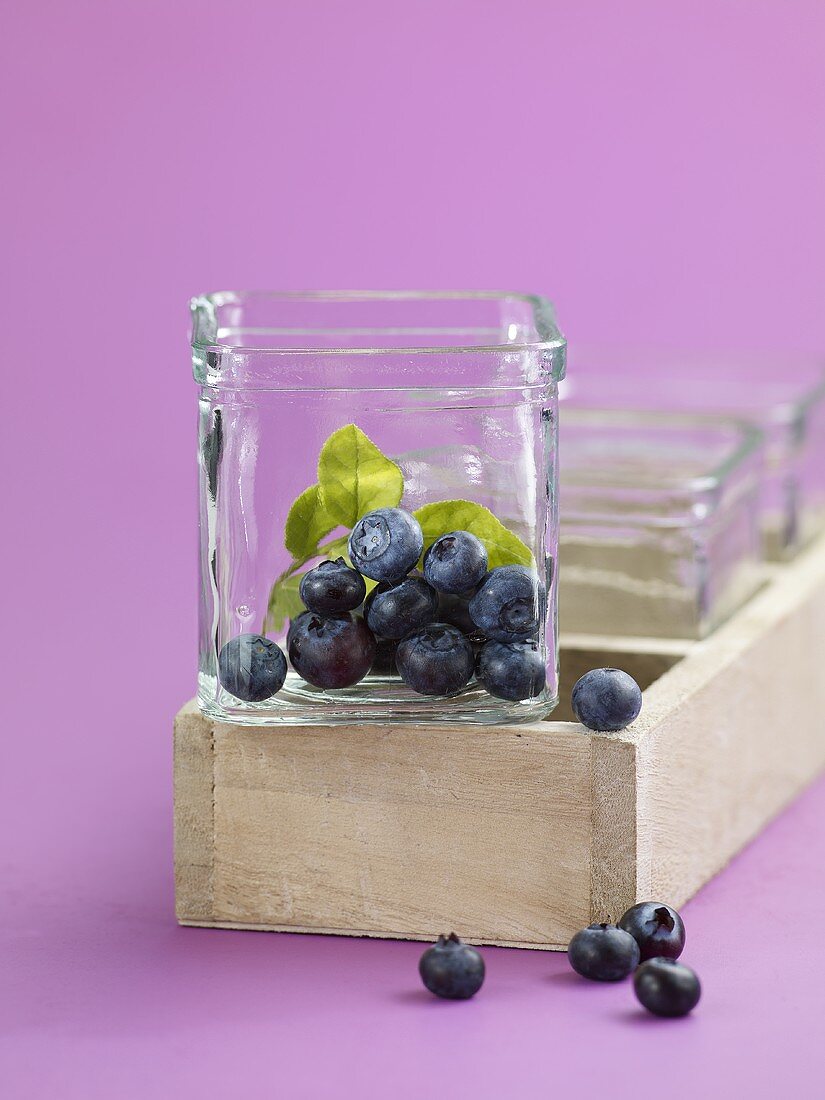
(457, 391)
(659, 529)
(782, 395)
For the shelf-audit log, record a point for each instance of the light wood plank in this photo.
(614, 866)
(194, 815)
(403, 830)
(731, 734)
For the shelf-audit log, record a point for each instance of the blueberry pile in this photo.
(436, 630)
(651, 934)
(648, 940)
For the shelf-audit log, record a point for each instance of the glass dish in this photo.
(316, 408)
(659, 529)
(782, 395)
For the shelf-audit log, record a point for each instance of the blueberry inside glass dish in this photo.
(377, 506)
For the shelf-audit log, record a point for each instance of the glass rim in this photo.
(206, 333)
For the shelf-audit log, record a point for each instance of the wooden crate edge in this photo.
(416, 937)
(194, 814)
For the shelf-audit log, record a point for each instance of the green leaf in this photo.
(336, 549)
(355, 477)
(503, 547)
(284, 603)
(307, 523)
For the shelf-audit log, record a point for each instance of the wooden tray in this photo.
(512, 835)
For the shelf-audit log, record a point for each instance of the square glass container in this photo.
(317, 408)
(659, 529)
(782, 395)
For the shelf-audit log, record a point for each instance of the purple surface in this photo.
(104, 996)
(658, 172)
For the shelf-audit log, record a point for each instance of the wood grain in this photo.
(391, 831)
(731, 734)
(194, 816)
(404, 830)
(614, 883)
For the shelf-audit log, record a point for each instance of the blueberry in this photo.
(435, 660)
(456, 562)
(252, 667)
(332, 587)
(658, 930)
(331, 651)
(603, 953)
(666, 987)
(606, 699)
(505, 608)
(386, 544)
(455, 610)
(293, 625)
(512, 670)
(393, 610)
(384, 663)
(452, 969)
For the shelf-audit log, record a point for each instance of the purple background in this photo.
(657, 169)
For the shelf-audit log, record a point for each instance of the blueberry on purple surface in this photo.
(658, 930)
(666, 987)
(393, 610)
(606, 699)
(512, 670)
(331, 651)
(435, 660)
(456, 562)
(452, 969)
(603, 953)
(332, 587)
(385, 544)
(506, 607)
(252, 667)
